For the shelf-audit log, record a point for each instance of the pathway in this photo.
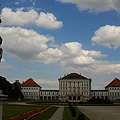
(58, 114)
(101, 112)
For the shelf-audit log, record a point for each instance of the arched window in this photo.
(78, 97)
(74, 97)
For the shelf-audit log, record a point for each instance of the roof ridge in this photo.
(114, 83)
(73, 76)
(30, 82)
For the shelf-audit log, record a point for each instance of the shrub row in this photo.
(73, 112)
(30, 114)
(72, 109)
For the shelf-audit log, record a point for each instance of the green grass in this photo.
(45, 115)
(42, 101)
(14, 110)
(68, 116)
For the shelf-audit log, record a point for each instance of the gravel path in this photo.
(101, 112)
(58, 114)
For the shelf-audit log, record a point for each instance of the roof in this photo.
(29, 83)
(114, 83)
(73, 76)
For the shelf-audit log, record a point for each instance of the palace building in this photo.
(73, 87)
(30, 89)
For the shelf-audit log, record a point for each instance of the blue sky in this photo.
(45, 39)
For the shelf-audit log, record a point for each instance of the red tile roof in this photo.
(29, 83)
(73, 76)
(114, 83)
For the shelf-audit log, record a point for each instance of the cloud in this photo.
(74, 54)
(108, 36)
(17, 3)
(30, 46)
(95, 5)
(21, 18)
(5, 65)
(100, 85)
(48, 84)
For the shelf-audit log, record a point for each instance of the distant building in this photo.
(49, 95)
(113, 89)
(99, 93)
(74, 88)
(30, 89)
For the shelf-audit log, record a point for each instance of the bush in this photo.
(73, 111)
(70, 106)
(81, 117)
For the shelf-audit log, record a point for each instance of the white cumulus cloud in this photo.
(25, 44)
(30, 46)
(21, 18)
(108, 36)
(95, 5)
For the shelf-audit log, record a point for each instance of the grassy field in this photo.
(14, 110)
(68, 116)
(45, 115)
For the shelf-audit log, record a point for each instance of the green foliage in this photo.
(13, 91)
(6, 86)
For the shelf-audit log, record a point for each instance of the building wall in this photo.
(31, 92)
(113, 93)
(49, 94)
(74, 89)
(99, 93)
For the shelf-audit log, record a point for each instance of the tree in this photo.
(6, 87)
(17, 90)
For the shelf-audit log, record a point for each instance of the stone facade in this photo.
(30, 89)
(99, 93)
(49, 95)
(113, 89)
(73, 87)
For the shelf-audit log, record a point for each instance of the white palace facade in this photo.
(73, 87)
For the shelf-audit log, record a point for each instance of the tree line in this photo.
(12, 90)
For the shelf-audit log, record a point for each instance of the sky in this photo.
(47, 39)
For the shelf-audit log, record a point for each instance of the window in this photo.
(74, 88)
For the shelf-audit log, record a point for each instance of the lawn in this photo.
(14, 110)
(68, 116)
(45, 115)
